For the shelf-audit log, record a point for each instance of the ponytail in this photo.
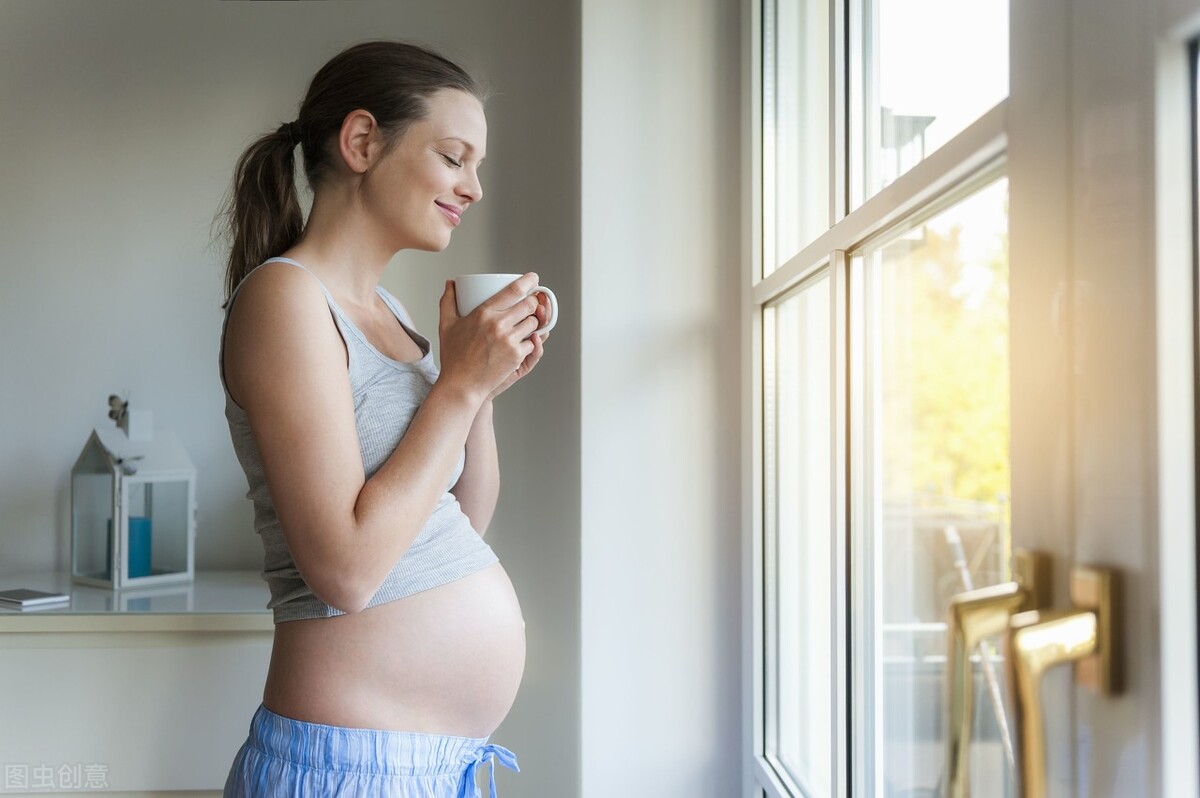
(262, 215)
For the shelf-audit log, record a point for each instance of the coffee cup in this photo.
(472, 290)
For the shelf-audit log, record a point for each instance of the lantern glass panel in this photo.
(167, 506)
(92, 512)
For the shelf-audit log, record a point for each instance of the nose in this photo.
(470, 188)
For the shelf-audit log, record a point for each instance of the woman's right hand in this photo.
(481, 350)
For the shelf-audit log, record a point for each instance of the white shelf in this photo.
(213, 601)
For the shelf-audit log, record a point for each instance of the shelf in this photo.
(214, 601)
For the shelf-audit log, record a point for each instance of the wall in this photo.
(661, 606)
(121, 123)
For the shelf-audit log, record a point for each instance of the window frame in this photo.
(975, 156)
(1177, 193)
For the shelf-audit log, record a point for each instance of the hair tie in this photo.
(292, 131)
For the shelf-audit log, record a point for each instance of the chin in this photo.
(429, 244)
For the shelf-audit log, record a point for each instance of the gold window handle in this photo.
(1040, 640)
(973, 617)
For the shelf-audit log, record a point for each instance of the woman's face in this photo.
(423, 186)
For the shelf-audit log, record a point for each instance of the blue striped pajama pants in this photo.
(286, 757)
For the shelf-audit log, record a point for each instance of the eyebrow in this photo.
(462, 141)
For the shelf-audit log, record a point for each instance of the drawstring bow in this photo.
(488, 753)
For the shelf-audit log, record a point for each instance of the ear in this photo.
(358, 140)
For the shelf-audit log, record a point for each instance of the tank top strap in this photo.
(397, 309)
(344, 323)
(301, 267)
(280, 259)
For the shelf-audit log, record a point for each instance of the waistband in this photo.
(375, 751)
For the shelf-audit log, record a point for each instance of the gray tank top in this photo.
(386, 396)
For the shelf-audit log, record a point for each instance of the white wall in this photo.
(120, 125)
(661, 606)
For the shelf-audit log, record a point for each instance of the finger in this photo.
(514, 292)
(530, 362)
(527, 364)
(524, 350)
(449, 302)
(526, 307)
(534, 356)
(447, 308)
(525, 328)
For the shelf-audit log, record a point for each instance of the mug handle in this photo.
(553, 308)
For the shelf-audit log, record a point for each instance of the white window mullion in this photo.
(754, 226)
(864, 568)
(770, 181)
(838, 112)
(839, 464)
(859, 69)
(770, 527)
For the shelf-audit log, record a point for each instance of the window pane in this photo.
(936, 67)
(940, 349)
(798, 425)
(795, 126)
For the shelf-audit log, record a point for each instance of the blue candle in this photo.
(139, 548)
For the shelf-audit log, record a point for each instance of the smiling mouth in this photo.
(452, 213)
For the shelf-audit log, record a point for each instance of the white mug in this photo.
(472, 290)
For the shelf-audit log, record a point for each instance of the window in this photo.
(796, 96)
(936, 316)
(879, 311)
(930, 69)
(797, 442)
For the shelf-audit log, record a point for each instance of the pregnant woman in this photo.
(399, 643)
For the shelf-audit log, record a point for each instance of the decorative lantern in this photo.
(133, 519)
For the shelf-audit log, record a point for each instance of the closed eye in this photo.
(451, 161)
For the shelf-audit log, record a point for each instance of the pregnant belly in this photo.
(444, 661)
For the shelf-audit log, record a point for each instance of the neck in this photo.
(342, 247)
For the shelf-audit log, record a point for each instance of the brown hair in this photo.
(391, 80)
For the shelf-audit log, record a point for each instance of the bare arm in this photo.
(285, 365)
(479, 486)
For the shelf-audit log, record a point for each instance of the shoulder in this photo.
(277, 299)
(279, 318)
(279, 286)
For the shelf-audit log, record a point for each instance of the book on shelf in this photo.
(23, 597)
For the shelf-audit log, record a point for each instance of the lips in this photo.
(453, 213)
